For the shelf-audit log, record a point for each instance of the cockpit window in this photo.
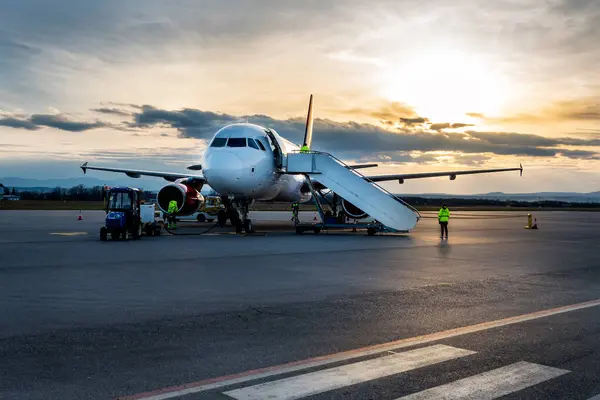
(218, 142)
(261, 144)
(252, 143)
(236, 142)
(262, 147)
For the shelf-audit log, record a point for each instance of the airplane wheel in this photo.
(103, 234)
(317, 231)
(371, 231)
(299, 231)
(201, 218)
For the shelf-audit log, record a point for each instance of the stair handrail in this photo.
(365, 178)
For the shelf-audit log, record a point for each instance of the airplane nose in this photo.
(222, 169)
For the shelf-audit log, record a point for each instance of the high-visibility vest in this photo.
(173, 208)
(304, 149)
(444, 215)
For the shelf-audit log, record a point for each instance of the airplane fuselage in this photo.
(245, 160)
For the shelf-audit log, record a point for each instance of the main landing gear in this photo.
(237, 212)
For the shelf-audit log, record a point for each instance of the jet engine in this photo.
(188, 198)
(352, 211)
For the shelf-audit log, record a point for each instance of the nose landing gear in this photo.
(237, 212)
(246, 223)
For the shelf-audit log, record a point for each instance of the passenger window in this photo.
(218, 142)
(236, 142)
(261, 145)
(252, 143)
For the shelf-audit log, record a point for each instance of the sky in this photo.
(455, 85)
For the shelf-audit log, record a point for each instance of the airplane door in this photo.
(277, 153)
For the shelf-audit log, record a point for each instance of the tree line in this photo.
(76, 193)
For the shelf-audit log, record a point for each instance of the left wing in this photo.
(136, 173)
(452, 174)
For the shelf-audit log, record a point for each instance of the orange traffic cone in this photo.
(80, 217)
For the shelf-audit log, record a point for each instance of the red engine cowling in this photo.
(187, 197)
(352, 211)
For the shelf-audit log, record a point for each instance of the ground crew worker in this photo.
(295, 208)
(172, 213)
(305, 149)
(443, 217)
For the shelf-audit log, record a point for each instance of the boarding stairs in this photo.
(381, 205)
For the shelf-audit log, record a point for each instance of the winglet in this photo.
(84, 167)
(521, 166)
(309, 124)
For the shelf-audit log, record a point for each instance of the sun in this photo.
(444, 85)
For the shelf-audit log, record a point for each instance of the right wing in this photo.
(136, 173)
(452, 174)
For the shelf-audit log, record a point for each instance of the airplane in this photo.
(246, 163)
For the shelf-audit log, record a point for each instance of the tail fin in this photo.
(309, 124)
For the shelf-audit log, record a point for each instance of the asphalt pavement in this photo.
(98, 320)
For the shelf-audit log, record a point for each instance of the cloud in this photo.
(347, 139)
(18, 123)
(384, 112)
(57, 121)
(63, 123)
(457, 125)
(582, 109)
(413, 121)
(580, 154)
(475, 115)
(353, 139)
(447, 125)
(112, 111)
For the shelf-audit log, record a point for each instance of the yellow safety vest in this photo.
(173, 207)
(444, 215)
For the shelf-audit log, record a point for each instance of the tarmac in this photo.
(494, 311)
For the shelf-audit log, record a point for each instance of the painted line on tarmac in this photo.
(68, 233)
(491, 384)
(351, 374)
(228, 380)
(597, 397)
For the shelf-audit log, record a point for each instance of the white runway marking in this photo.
(322, 381)
(492, 384)
(215, 383)
(596, 397)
